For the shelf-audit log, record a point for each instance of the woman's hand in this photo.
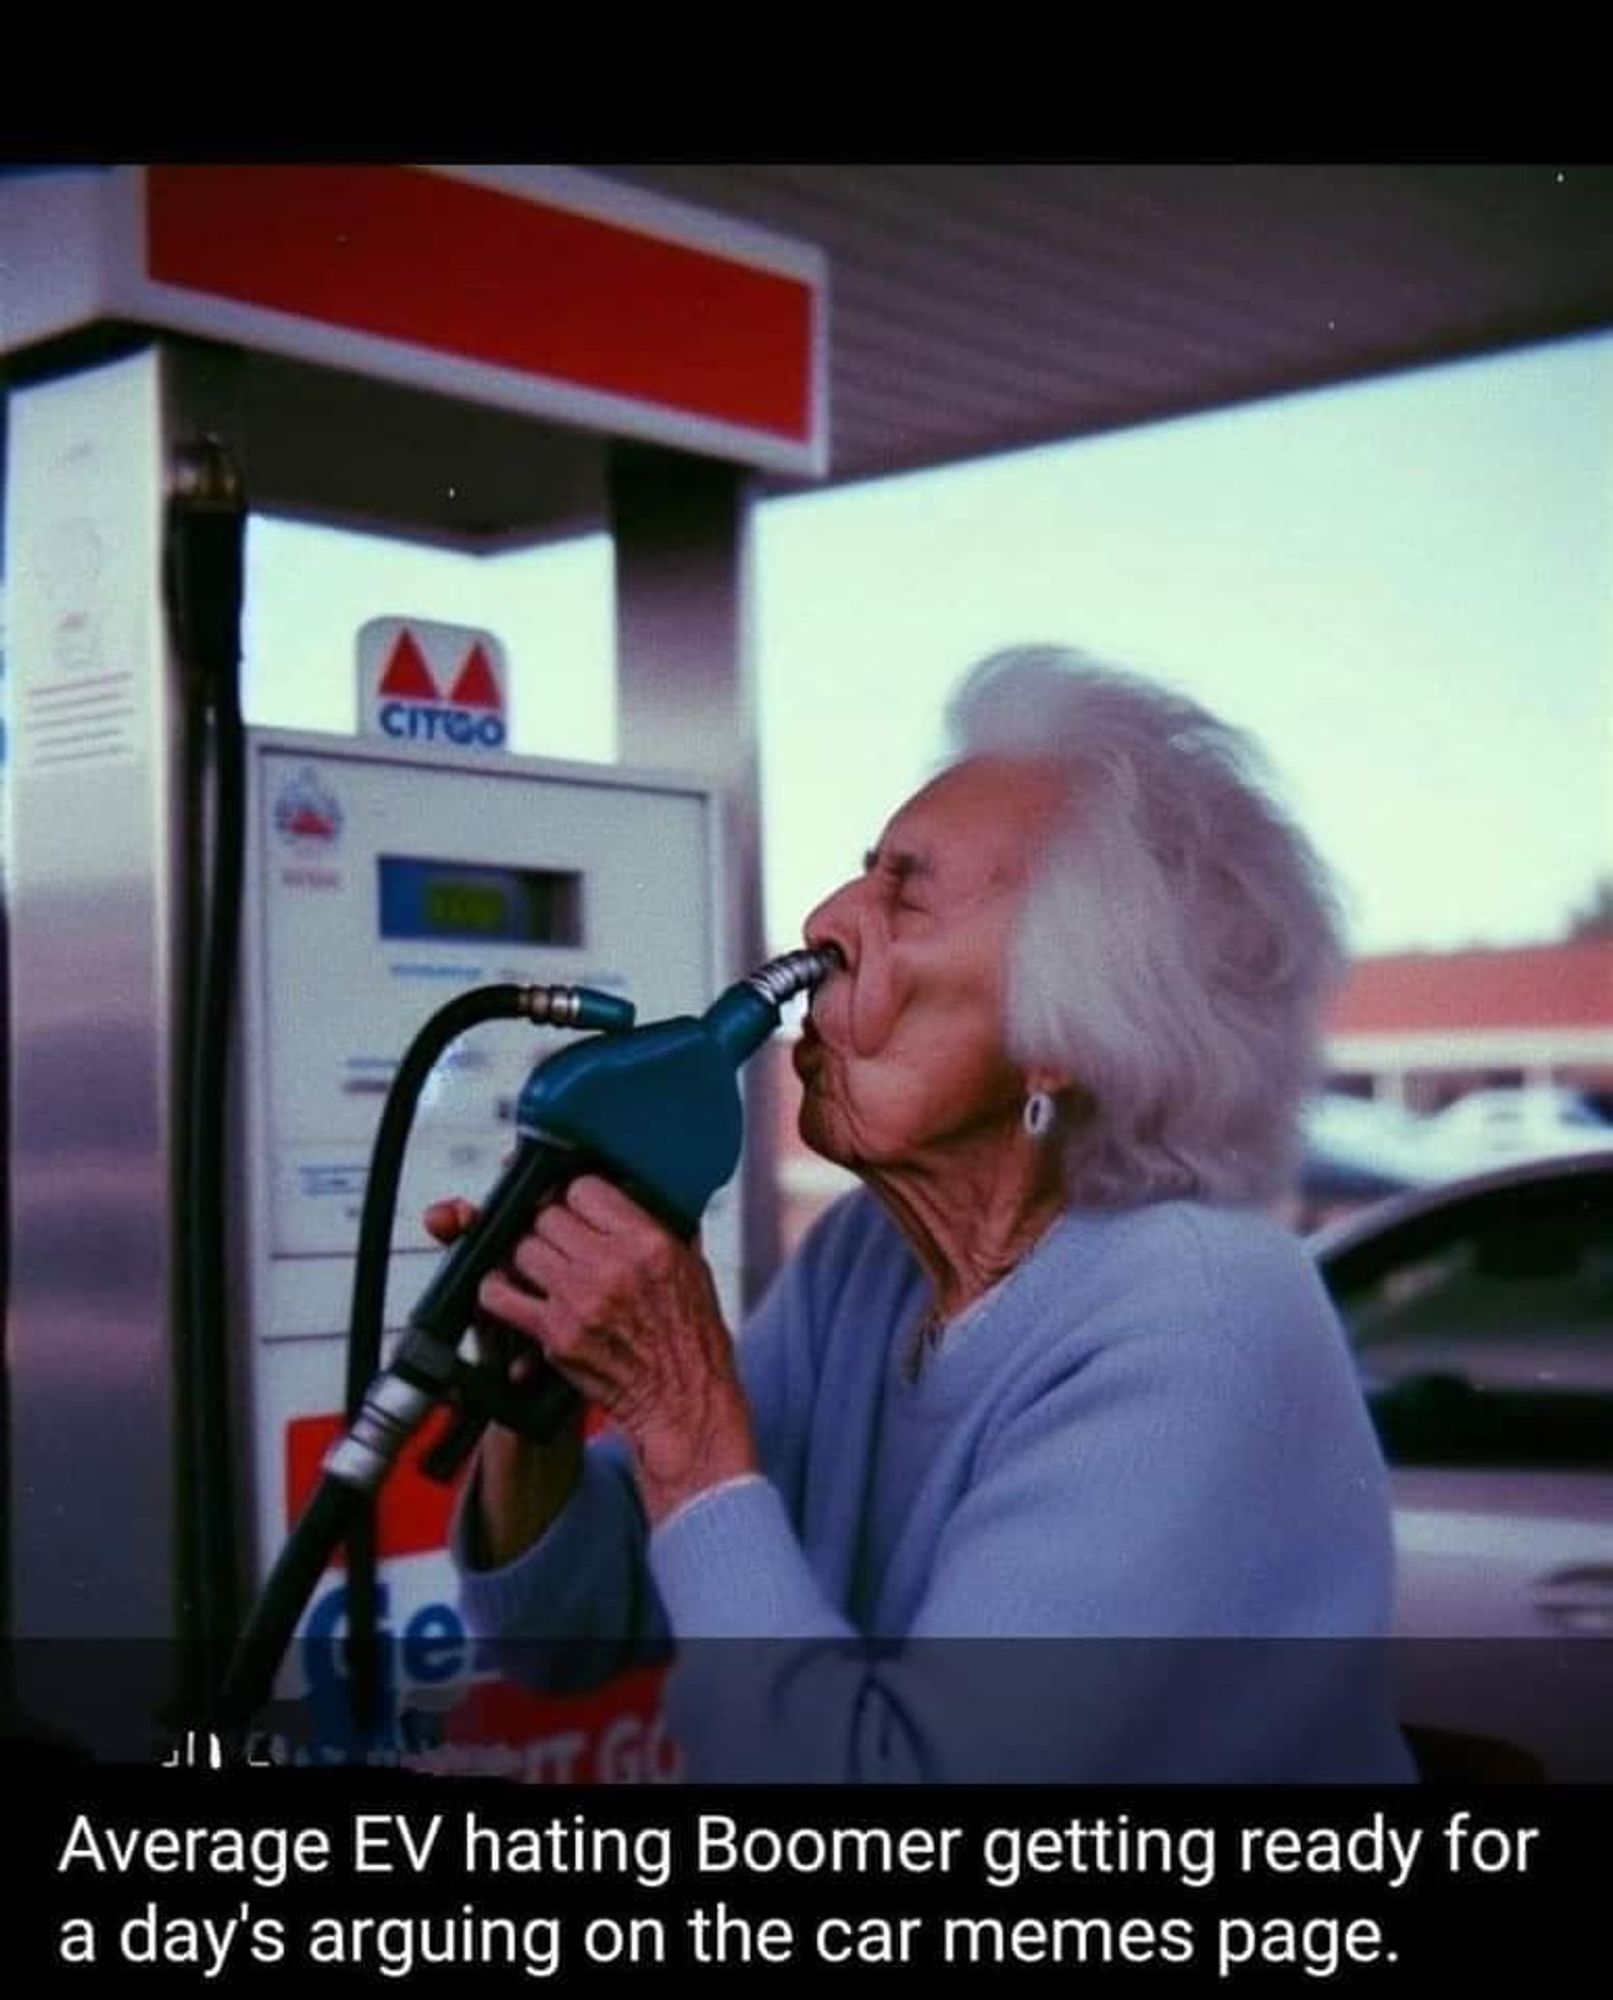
(629, 1315)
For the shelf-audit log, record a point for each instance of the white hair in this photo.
(1177, 939)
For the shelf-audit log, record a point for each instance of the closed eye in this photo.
(899, 871)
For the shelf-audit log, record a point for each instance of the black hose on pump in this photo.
(341, 1513)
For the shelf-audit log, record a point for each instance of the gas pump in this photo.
(154, 1477)
(382, 881)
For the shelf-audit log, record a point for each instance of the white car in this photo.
(1482, 1316)
(1362, 1143)
(1493, 1127)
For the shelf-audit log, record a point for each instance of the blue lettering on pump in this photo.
(418, 722)
(434, 1647)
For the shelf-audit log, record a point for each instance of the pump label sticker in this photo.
(307, 814)
(308, 821)
(440, 685)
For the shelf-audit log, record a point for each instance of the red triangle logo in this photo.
(407, 676)
(476, 685)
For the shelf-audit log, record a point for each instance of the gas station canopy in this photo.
(956, 309)
(978, 307)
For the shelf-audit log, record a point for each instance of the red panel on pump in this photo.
(412, 1512)
(495, 277)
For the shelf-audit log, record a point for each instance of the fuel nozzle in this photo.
(658, 1109)
(655, 1109)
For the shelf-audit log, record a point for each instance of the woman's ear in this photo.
(1072, 1102)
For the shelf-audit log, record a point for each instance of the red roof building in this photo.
(1423, 1027)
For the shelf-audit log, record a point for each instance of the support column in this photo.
(95, 867)
(686, 702)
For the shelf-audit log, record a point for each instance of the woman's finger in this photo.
(566, 1233)
(447, 1220)
(602, 1205)
(513, 1305)
(557, 1337)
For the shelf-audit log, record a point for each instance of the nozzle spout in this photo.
(796, 972)
(741, 1019)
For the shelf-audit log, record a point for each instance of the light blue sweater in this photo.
(1150, 1432)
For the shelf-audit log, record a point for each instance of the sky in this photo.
(1403, 589)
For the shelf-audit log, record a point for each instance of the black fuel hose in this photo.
(205, 557)
(366, 1320)
(249, 1680)
(339, 1512)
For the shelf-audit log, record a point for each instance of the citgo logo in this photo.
(414, 709)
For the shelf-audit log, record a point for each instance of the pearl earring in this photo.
(1039, 1114)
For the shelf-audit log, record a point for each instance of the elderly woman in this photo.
(1054, 1372)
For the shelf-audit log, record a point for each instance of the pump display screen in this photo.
(457, 900)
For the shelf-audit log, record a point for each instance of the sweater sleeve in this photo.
(576, 1606)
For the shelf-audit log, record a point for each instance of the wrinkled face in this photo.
(902, 1056)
